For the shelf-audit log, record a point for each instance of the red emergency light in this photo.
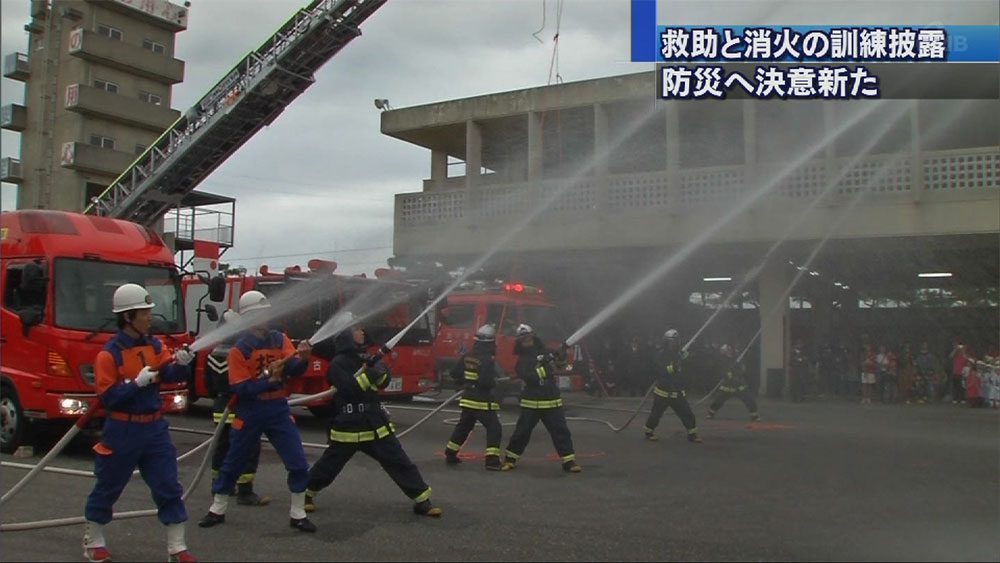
(317, 265)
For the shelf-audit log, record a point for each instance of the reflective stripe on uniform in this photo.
(245, 478)
(568, 458)
(356, 437)
(453, 446)
(669, 394)
(423, 496)
(693, 430)
(511, 455)
(541, 372)
(529, 404)
(670, 368)
(479, 405)
(471, 376)
(363, 381)
(217, 417)
(492, 451)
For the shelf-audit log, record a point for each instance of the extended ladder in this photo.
(249, 97)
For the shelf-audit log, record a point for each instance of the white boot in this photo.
(298, 509)
(93, 542)
(175, 538)
(219, 504)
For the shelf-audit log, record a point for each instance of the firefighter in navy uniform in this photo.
(361, 423)
(734, 384)
(217, 368)
(670, 389)
(135, 434)
(259, 364)
(477, 371)
(540, 400)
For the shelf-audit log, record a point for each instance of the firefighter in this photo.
(135, 434)
(670, 389)
(477, 370)
(217, 368)
(734, 384)
(540, 399)
(361, 423)
(259, 364)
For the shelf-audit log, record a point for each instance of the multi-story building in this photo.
(98, 76)
(601, 191)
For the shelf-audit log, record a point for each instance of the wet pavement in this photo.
(819, 480)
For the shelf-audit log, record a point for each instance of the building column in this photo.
(749, 145)
(774, 331)
(536, 161)
(830, 151)
(916, 156)
(673, 164)
(601, 156)
(439, 169)
(473, 165)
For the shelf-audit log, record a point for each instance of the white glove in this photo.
(183, 356)
(146, 376)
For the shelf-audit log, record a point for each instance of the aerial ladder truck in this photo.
(247, 98)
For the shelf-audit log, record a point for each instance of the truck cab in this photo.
(58, 273)
(504, 305)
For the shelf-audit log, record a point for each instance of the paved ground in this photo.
(813, 481)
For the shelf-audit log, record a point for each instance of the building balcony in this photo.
(97, 48)
(93, 159)
(15, 66)
(134, 112)
(13, 117)
(954, 191)
(160, 13)
(10, 170)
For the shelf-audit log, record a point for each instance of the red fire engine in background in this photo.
(505, 305)
(411, 361)
(59, 272)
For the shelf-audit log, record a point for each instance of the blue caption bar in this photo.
(965, 43)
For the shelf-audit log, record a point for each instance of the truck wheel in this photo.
(12, 424)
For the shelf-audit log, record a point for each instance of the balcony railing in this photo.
(970, 170)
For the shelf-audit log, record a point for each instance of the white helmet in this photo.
(671, 334)
(229, 316)
(131, 296)
(253, 301)
(524, 330)
(726, 349)
(486, 333)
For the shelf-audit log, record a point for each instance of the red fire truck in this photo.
(318, 293)
(59, 272)
(504, 305)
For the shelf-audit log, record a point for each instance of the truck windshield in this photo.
(83, 289)
(545, 322)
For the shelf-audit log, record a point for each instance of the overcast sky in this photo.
(337, 173)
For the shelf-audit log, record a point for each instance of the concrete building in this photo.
(98, 76)
(590, 187)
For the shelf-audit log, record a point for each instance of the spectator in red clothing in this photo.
(958, 357)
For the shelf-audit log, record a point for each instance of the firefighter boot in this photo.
(649, 434)
(246, 496)
(451, 457)
(216, 512)
(693, 437)
(297, 514)
(176, 547)
(493, 463)
(710, 415)
(425, 508)
(509, 464)
(93, 543)
(310, 504)
(571, 467)
(754, 417)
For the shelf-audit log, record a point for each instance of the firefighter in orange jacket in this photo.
(259, 363)
(540, 400)
(135, 434)
(217, 371)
